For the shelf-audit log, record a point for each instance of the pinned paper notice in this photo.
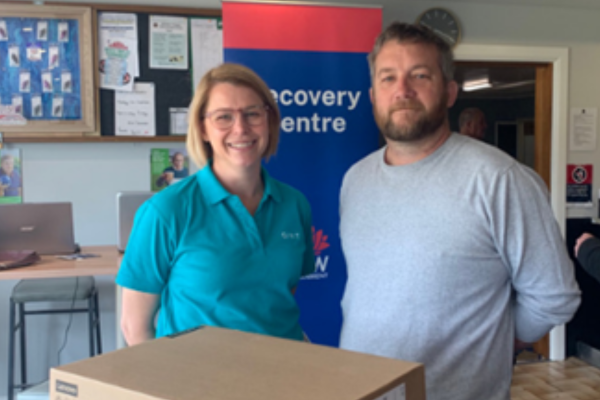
(583, 126)
(9, 115)
(134, 111)
(168, 42)
(207, 46)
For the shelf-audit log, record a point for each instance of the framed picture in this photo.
(46, 75)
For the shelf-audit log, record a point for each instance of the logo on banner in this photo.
(321, 260)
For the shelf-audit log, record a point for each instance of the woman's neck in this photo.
(245, 183)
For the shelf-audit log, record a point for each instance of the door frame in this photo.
(559, 58)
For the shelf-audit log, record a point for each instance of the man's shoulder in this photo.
(479, 155)
(366, 165)
(474, 158)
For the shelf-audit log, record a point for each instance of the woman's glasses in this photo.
(225, 118)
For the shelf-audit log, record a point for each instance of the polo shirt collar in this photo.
(214, 192)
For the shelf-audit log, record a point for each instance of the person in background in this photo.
(471, 122)
(175, 172)
(226, 246)
(451, 246)
(587, 252)
(10, 178)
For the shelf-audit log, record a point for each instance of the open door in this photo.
(543, 147)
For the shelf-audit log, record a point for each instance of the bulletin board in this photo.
(46, 69)
(172, 88)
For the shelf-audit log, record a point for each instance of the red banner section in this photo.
(300, 27)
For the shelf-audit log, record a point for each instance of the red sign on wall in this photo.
(579, 183)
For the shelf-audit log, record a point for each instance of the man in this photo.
(451, 246)
(175, 172)
(471, 122)
(587, 251)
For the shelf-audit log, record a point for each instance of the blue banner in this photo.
(327, 125)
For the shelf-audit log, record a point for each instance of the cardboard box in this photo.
(220, 364)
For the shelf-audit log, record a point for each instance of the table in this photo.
(51, 267)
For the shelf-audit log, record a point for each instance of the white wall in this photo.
(89, 175)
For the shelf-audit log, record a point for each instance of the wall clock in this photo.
(443, 23)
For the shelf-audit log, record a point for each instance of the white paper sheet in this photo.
(207, 46)
(11, 115)
(134, 111)
(118, 50)
(168, 42)
(179, 121)
(583, 127)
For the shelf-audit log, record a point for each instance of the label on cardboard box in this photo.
(66, 388)
(397, 393)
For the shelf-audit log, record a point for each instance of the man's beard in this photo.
(424, 127)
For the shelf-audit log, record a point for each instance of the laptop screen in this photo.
(46, 228)
(127, 205)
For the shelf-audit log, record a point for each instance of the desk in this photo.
(51, 267)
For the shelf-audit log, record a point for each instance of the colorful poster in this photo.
(314, 59)
(11, 180)
(167, 167)
(118, 50)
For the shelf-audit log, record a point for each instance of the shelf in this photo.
(94, 139)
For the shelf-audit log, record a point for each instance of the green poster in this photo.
(167, 167)
(11, 180)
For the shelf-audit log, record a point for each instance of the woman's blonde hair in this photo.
(235, 74)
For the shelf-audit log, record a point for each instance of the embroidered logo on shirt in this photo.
(290, 235)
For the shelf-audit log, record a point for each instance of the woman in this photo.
(226, 246)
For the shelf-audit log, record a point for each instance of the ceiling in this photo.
(589, 4)
(507, 81)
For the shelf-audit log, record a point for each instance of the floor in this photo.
(572, 379)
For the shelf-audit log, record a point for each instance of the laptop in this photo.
(46, 228)
(127, 205)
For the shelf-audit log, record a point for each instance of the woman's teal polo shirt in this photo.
(213, 263)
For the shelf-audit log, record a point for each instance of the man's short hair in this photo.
(408, 33)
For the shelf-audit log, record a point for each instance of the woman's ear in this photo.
(202, 131)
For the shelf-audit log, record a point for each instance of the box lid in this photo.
(214, 363)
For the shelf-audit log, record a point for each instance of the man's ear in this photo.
(371, 94)
(452, 89)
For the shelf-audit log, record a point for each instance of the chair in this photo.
(48, 290)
